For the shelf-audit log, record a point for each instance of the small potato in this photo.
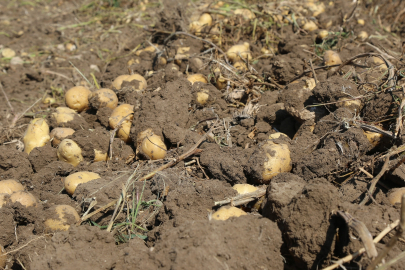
(150, 49)
(310, 26)
(10, 186)
(62, 217)
(70, 152)
(25, 198)
(278, 160)
(72, 181)
(117, 83)
(244, 188)
(323, 34)
(379, 63)
(153, 147)
(237, 51)
(363, 35)
(221, 83)
(246, 13)
(58, 134)
(103, 97)
(351, 104)
(77, 98)
(373, 137)
(100, 156)
(202, 97)
(63, 115)
(227, 212)
(332, 58)
(278, 135)
(36, 135)
(360, 21)
(123, 111)
(197, 78)
(204, 20)
(240, 66)
(395, 195)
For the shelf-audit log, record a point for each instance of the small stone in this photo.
(95, 68)
(16, 61)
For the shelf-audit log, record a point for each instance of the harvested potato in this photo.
(246, 13)
(204, 20)
(322, 34)
(244, 188)
(380, 63)
(332, 58)
(153, 147)
(62, 217)
(240, 66)
(70, 152)
(150, 49)
(10, 186)
(227, 212)
(77, 98)
(197, 78)
(221, 83)
(36, 135)
(72, 181)
(310, 26)
(100, 156)
(3, 200)
(351, 104)
(360, 21)
(395, 195)
(8, 53)
(58, 134)
(117, 83)
(202, 97)
(278, 135)
(235, 52)
(373, 137)
(103, 97)
(3, 258)
(119, 113)
(49, 100)
(63, 115)
(25, 198)
(363, 35)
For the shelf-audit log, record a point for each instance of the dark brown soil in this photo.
(166, 221)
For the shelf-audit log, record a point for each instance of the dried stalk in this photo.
(243, 198)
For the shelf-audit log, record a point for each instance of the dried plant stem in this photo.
(243, 198)
(29, 242)
(362, 250)
(97, 211)
(375, 180)
(8, 101)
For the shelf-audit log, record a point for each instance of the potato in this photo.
(332, 58)
(197, 78)
(100, 156)
(77, 98)
(395, 195)
(3, 258)
(10, 186)
(3, 200)
(153, 147)
(351, 104)
(322, 34)
(246, 13)
(25, 198)
(36, 135)
(49, 100)
(242, 49)
(360, 21)
(58, 134)
(204, 20)
(373, 137)
(278, 160)
(70, 152)
(226, 212)
(62, 217)
(362, 36)
(244, 188)
(124, 110)
(202, 97)
(63, 115)
(278, 135)
(150, 49)
(221, 83)
(117, 83)
(72, 181)
(8, 53)
(103, 97)
(240, 66)
(310, 26)
(380, 63)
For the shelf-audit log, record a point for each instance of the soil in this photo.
(167, 221)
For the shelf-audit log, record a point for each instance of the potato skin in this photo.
(77, 97)
(58, 134)
(10, 186)
(153, 147)
(70, 152)
(36, 135)
(25, 198)
(117, 83)
(124, 110)
(72, 181)
(227, 212)
(60, 222)
(63, 115)
(103, 97)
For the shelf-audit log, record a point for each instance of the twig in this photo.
(313, 71)
(8, 101)
(393, 261)
(393, 240)
(15, 120)
(23, 246)
(57, 74)
(84, 77)
(97, 211)
(350, 257)
(363, 233)
(243, 198)
(375, 180)
(190, 152)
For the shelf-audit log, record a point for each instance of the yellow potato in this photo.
(77, 98)
(244, 188)
(70, 152)
(25, 198)
(153, 147)
(237, 51)
(246, 13)
(196, 78)
(151, 49)
(310, 26)
(104, 97)
(241, 66)
(362, 35)
(277, 135)
(72, 181)
(63, 115)
(122, 111)
(323, 34)
(360, 21)
(202, 97)
(58, 134)
(332, 58)
(395, 195)
(278, 160)
(353, 104)
(59, 220)
(10, 186)
(380, 63)
(227, 212)
(373, 137)
(100, 156)
(36, 135)
(117, 83)
(221, 83)
(204, 20)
